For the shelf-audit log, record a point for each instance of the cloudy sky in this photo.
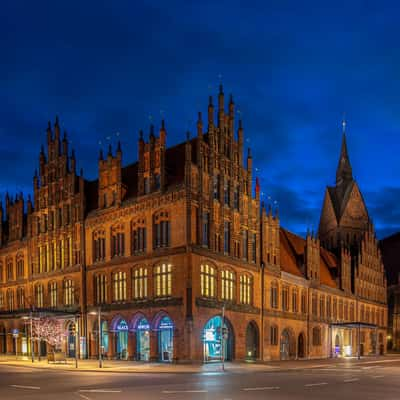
(111, 68)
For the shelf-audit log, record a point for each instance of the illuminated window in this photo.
(139, 283)
(208, 280)
(334, 309)
(119, 286)
(138, 236)
(39, 296)
(227, 285)
(163, 280)
(53, 294)
(100, 289)
(69, 292)
(328, 307)
(245, 289)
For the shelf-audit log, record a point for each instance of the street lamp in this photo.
(31, 328)
(99, 336)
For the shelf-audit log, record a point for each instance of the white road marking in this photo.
(184, 391)
(378, 376)
(83, 396)
(351, 380)
(262, 388)
(316, 384)
(25, 387)
(99, 391)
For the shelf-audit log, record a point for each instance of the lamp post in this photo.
(32, 351)
(99, 335)
(223, 338)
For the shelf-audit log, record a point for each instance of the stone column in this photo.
(154, 352)
(112, 343)
(132, 346)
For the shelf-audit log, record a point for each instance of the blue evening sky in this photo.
(110, 68)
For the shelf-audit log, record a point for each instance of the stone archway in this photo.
(252, 341)
(301, 346)
(287, 345)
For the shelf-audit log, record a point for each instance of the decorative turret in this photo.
(312, 261)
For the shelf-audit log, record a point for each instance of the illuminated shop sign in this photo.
(122, 326)
(143, 326)
(166, 324)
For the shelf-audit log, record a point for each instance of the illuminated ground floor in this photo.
(164, 335)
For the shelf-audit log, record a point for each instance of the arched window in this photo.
(10, 300)
(99, 245)
(138, 236)
(161, 230)
(295, 296)
(316, 336)
(20, 298)
(39, 295)
(227, 285)
(303, 302)
(163, 280)
(100, 289)
(69, 292)
(329, 307)
(20, 265)
(208, 280)
(352, 319)
(334, 308)
(10, 269)
(274, 294)
(314, 305)
(53, 294)
(139, 283)
(273, 335)
(285, 298)
(322, 306)
(119, 286)
(245, 289)
(117, 241)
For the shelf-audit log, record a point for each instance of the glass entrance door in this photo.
(143, 340)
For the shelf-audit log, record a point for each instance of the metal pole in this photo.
(223, 339)
(32, 350)
(76, 342)
(100, 337)
(359, 340)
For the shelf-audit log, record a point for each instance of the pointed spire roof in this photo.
(344, 172)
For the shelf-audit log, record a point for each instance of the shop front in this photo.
(214, 342)
(122, 340)
(166, 339)
(143, 340)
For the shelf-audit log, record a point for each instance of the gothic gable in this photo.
(354, 212)
(328, 220)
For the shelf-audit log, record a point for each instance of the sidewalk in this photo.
(232, 367)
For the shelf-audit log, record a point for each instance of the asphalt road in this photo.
(371, 380)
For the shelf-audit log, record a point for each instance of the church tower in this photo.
(344, 216)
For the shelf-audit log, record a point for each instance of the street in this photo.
(375, 379)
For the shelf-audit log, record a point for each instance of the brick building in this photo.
(390, 248)
(162, 245)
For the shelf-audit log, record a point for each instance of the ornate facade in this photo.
(163, 246)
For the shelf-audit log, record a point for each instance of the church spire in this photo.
(344, 171)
